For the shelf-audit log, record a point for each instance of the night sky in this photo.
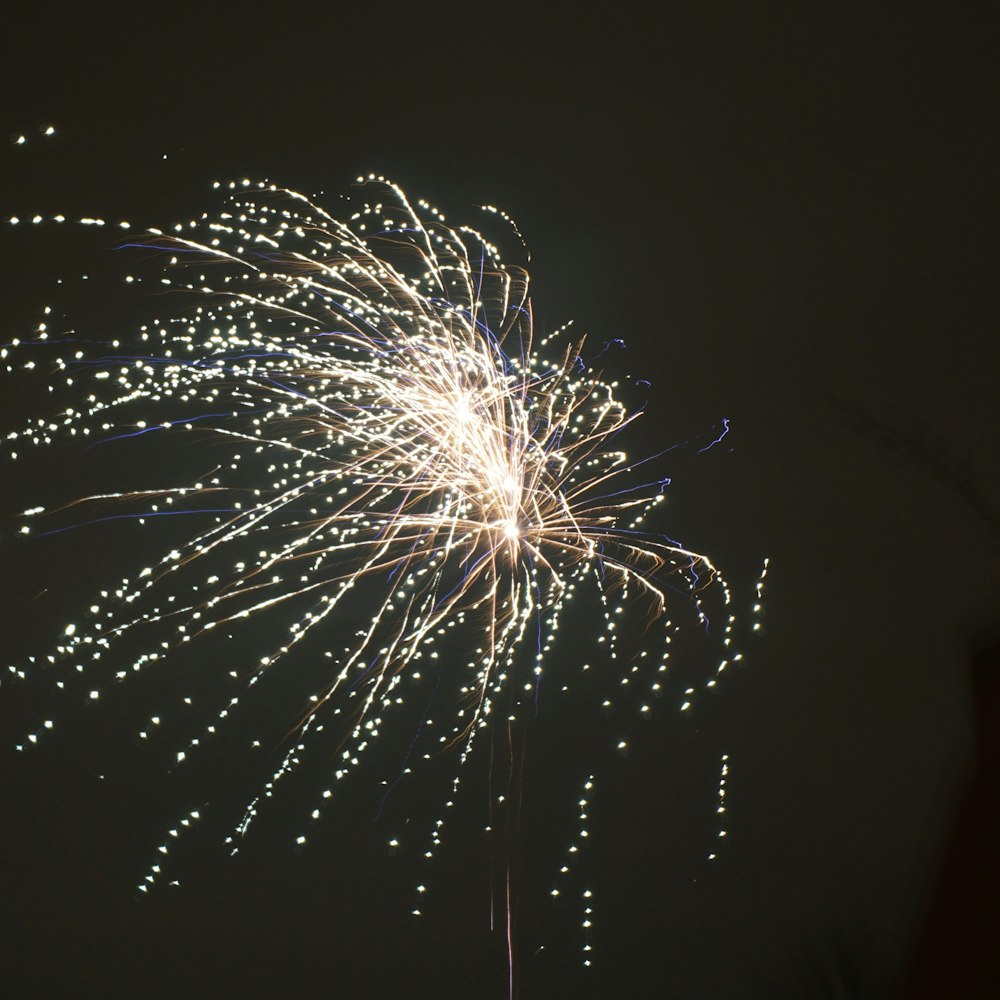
(786, 217)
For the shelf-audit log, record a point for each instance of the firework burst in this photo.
(388, 454)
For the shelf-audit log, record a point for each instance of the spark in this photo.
(387, 433)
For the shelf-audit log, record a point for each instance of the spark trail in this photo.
(377, 434)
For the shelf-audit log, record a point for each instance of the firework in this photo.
(381, 439)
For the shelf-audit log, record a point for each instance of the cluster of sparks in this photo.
(384, 430)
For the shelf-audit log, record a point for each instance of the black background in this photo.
(786, 214)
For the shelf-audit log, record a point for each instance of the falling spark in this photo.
(392, 445)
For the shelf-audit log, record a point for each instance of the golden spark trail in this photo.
(386, 435)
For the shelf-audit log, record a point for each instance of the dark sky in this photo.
(787, 215)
